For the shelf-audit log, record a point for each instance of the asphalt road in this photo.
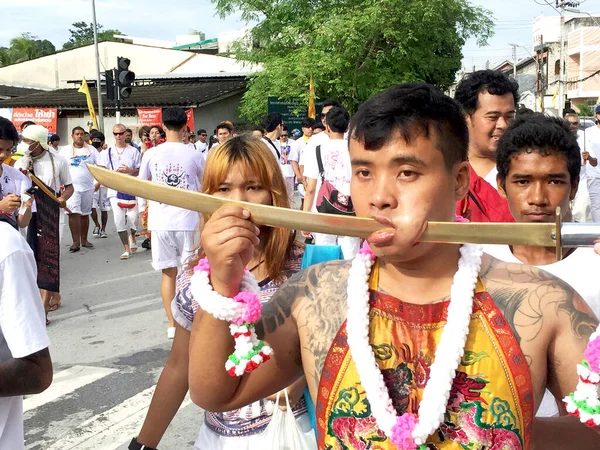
(109, 345)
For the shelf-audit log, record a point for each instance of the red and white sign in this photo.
(149, 116)
(190, 119)
(45, 117)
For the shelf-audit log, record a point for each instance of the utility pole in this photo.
(97, 57)
(561, 76)
(514, 46)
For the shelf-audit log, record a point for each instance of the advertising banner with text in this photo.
(45, 117)
(149, 116)
(190, 119)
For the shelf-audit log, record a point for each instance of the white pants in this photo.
(289, 185)
(350, 245)
(100, 199)
(580, 206)
(172, 248)
(125, 218)
(594, 190)
(81, 202)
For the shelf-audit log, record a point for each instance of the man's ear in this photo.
(574, 188)
(462, 179)
(501, 187)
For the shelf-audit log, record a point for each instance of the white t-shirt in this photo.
(202, 147)
(491, 177)
(79, 158)
(172, 164)
(591, 143)
(12, 181)
(22, 323)
(288, 154)
(42, 167)
(273, 147)
(336, 166)
(580, 270)
(112, 158)
(301, 144)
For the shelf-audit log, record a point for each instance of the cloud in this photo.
(51, 19)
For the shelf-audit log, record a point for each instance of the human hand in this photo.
(10, 203)
(228, 239)
(96, 187)
(585, 155)
(307, 234)
(61, 202)
(28, 203)
(124, 169)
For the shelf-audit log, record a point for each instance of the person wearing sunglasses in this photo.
(123, 158)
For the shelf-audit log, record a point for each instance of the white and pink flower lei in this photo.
(585, 401)
(242, 311)
(408, 431)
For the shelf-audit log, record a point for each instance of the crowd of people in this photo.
(369, 349)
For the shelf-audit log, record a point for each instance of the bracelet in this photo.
(585, 401)
(242, 311)
(135, 445)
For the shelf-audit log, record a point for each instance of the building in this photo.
(212, 97)
(55, 71)
(583, 64)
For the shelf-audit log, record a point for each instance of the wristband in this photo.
(242, 311)
(135, 445)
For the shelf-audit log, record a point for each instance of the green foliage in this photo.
(351, 48)
(24, 48)
(82, 34)
(585, 110)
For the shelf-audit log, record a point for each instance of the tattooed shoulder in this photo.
(532, 299)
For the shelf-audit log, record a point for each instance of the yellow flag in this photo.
(84, 89)
(554, 97)
(312, 112)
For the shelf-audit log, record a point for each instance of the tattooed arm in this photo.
(552, 324)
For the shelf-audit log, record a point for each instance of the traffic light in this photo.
(124, 77)
(110, 84)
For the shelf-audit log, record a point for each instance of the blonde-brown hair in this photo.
(256, 159)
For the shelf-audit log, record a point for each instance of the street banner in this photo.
(190, 119)
(45, 117)
(43, 238)
(84, 89)
(149, 116)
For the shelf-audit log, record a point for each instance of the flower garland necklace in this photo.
(407, 431)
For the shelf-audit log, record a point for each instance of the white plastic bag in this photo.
(283, 432)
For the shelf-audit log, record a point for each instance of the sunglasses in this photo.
(203, 134)
(119, 133)
(284, 135)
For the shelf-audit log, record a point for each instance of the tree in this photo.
(24, 48)
(351, 48)
(585, 110)
(82, 34)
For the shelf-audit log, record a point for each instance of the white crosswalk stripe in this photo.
(108, 430)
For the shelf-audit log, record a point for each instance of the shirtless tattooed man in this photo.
(527, 329)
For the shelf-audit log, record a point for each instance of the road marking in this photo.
(97, 308)
(65, 382)
(112, 428)
(111, 281)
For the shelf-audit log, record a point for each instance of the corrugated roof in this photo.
(188, 93)
(14, 91)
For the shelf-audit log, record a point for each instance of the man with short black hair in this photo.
(288, 161)
(101, 201)
(224, 131)
(489, 99)
(201, 144)
(174, 230)
(538, 170)
(332, 165)
(273, 125)
(54, 143)
(129, 138)
(79, 154)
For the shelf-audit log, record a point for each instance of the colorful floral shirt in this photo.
(254, 418)
(491, 402)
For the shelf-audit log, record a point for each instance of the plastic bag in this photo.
(283, 432)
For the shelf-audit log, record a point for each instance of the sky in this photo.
(51, 19)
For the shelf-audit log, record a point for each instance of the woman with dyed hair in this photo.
(241, 169)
